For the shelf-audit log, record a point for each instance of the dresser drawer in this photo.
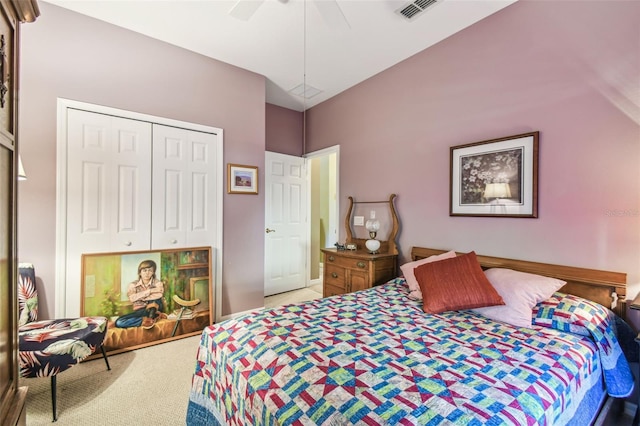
(335, 276)
(331, 290)
(346, 262)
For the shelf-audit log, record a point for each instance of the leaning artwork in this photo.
(149, 297)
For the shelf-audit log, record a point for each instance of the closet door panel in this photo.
(169, 187)
(184, 187)
(204, 186)
(90, 157)
(108, 190)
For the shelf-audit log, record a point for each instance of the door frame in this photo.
(336, 210)
(61, 192)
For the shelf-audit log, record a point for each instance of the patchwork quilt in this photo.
(375, 358)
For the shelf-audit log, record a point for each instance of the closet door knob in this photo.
(128, 244)
(174, 241)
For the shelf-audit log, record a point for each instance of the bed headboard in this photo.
(605, 287)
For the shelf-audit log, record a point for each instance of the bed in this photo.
(375, 357)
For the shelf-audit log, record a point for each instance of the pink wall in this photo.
(567, 69)
(71, 56)
(284, 128)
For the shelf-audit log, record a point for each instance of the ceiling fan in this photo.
(329, 10)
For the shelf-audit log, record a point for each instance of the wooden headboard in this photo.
(605, 287)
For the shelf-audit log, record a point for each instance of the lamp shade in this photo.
(497, 190)
(372, 225)
(21, 174)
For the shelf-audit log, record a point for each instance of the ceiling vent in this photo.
(411, 11)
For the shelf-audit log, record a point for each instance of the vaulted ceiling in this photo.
(321, 47)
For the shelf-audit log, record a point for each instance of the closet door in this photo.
(108, 189)
(184, 188)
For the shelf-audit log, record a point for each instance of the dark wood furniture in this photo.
(12, 395)
(346, 271)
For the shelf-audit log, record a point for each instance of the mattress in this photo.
(374, 357)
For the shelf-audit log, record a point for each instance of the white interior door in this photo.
(285, 223)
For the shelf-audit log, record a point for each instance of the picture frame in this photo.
(185, 299)
(198, 289)
(495, 178)
(242, 179)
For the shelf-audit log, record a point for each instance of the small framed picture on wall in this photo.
(242, 179)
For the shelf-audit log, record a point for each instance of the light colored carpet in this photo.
(148, 386)
(301, 295)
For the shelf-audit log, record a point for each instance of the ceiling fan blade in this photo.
(244, 9)
(332, 14)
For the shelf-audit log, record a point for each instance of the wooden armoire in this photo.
(12, 396)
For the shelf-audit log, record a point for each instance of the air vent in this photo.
(412, 10)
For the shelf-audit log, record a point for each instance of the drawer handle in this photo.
(331, 258)
(334, 275)
(361, 264)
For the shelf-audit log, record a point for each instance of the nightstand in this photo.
(346, 271)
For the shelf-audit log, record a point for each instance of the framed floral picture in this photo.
(242, 179)
(497, 177)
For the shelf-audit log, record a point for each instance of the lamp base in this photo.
(372, 246)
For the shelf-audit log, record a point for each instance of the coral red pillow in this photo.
(455, 284)
(409, 276)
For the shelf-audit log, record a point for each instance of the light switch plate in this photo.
(358, 220)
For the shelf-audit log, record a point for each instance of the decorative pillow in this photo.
(521, 291)
(408, 272)
(566, 312)
(455, 284)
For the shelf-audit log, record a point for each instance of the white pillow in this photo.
(412, 282)
(521, 292)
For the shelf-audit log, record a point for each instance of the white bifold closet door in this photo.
(133, 185)
(184, 187)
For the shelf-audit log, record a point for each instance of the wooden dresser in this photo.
(346, 271)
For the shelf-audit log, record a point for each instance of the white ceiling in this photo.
(288, 41)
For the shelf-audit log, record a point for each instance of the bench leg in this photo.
(53, 397)
(104, 355)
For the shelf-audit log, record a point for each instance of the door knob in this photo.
(270, 230)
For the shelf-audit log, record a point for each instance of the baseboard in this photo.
(237, 314)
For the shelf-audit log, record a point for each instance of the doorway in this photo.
(323, 207)
(321, 226)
